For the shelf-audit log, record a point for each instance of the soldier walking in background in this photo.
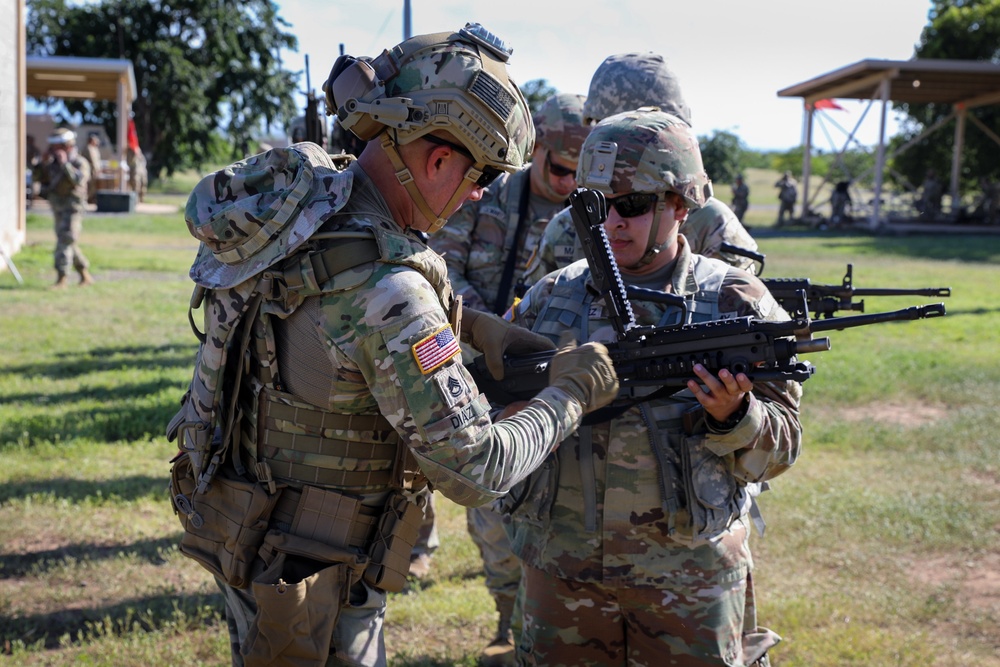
(138, 177)
(65, 174)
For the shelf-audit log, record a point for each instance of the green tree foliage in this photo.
(957, 30)
(200, 66)
(723, 154)
(536, 92)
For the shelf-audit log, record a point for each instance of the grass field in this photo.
(881, 547)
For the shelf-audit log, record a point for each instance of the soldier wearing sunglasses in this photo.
(634, 536)
(486, 245)
(628, 81)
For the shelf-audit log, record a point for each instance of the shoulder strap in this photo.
(500, 305)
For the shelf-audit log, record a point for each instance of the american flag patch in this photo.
(436, 349)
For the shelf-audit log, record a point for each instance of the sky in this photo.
(731, 56)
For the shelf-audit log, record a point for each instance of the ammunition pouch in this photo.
(224, 525)
(393, 542)
(299, 596)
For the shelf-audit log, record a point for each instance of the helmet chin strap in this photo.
(652, 247)
(405, 179)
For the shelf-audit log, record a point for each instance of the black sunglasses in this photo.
(633, 204)
(557, 170)
(489, 173)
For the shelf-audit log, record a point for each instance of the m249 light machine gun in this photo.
(665, 356)
(827, 300)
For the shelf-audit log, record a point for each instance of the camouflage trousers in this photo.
(68, 225)
(357, 638)
(573, 624)
(501, 566)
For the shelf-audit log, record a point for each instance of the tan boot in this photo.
(500, 651)
(60, 280)
(85, 277)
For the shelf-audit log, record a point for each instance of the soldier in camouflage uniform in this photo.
(354, 396)
(623, 82)
(634, 536)
(65, 174)
(741, 197)
(486, 246)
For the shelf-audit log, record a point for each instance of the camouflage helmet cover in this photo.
(454, 82)
(645, 150)
(627, 81)
(559, 125)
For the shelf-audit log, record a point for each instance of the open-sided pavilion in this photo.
(964, 84)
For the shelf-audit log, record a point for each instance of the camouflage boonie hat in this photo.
(257, 211)
(559, 125)
(627, 81)
(645, 150)
(454, 82)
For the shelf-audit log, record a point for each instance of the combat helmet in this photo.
(646, 151)
(452, 82)
(559, 125)
(627, 81)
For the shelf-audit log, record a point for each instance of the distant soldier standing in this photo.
(741, 197)
(65, 174)
(788, 193)
(93, 156)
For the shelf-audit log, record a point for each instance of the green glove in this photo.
(585, 373)
(496, 337)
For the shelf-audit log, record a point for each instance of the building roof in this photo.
(83, 78)
(970, 83)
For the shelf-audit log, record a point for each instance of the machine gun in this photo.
(826, 300)
(665, 356)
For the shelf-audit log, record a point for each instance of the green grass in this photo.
(881, 541)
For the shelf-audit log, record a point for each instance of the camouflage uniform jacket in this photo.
(66, 184)
(658, 489)
(353, 350)
(478, 239)
(706, 229)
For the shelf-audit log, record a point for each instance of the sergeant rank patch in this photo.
(436, 349)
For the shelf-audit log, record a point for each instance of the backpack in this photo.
(249, 217)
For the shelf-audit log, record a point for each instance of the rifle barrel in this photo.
(911, 313)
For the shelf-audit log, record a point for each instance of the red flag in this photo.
(827, 104)
(133, 136)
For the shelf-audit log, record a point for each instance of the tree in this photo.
(200, 66)
(722, 154)
(536, 92)
(959, 30)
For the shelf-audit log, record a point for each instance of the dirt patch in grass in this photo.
(911, 415)
(976, 578)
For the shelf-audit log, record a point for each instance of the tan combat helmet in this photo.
(645, 151)
(451, 82)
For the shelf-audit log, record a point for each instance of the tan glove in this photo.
(495, 337)
(585, 373)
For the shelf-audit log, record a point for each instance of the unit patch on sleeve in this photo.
(436, 349)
